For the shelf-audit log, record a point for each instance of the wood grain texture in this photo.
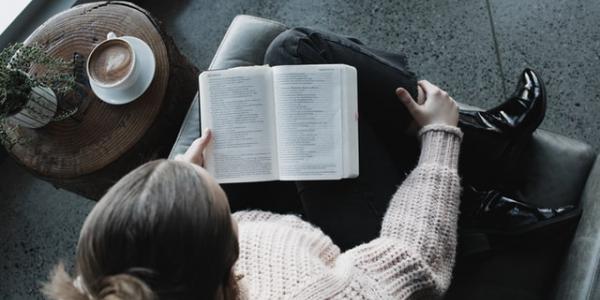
(87, 154)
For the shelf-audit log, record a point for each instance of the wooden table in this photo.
(88, 152)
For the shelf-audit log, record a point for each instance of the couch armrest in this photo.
(555, 169)
(580, 274)
(244, 44)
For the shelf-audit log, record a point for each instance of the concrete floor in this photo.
(474, 49)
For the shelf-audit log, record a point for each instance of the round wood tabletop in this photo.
(101, 133)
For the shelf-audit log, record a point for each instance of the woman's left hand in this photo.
(195, 153)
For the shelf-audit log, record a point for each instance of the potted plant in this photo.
(30, 100)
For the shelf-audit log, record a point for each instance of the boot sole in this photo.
(542, 226)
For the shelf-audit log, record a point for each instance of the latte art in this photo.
(111, 62)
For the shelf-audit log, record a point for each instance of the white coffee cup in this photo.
(112, 64)
(122, 74)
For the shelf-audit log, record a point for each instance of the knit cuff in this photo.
(440, 144)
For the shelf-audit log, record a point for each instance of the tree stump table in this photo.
(88, 152)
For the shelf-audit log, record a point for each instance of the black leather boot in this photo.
(492, 213)
(494, 139)
(521, 114)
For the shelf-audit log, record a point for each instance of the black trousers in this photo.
(350, 211)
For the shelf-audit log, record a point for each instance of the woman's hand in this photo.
(195, 153)
(436, 108)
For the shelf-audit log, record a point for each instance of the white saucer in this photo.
(144, 60)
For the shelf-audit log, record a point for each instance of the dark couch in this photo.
(558, 171)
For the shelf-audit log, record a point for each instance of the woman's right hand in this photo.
(437, 108)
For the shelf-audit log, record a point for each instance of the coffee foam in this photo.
(111, 62)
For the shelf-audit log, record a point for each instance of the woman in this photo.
(165, 230)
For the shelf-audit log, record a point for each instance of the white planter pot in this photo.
(39, 110)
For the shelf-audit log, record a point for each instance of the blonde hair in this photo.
(158, 233)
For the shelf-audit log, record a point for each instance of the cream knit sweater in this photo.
(283, 257)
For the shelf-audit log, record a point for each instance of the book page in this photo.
(237, 105)
(308, 113)
(350, 121)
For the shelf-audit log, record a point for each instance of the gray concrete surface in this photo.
(475, 49)
(39, 226)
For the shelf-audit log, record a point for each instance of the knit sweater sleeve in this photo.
(414, 254)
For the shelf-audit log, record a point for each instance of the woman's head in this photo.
(165, 229)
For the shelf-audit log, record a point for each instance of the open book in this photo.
(296, 122)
